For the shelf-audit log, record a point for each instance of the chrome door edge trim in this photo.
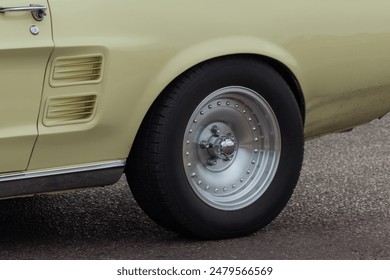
(59, 171)
(62, 179)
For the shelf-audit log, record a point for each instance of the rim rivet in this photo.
(228, 103)
(187, 153)
(256, 151)
(201, 112)
(256, 139)
(193, 175)
(219, 103)
(190, 131)
(207, 188)
(225, 189)
(248, 172)
(195, 121)
(253, 162)
(250, 119)
(189, 164)
(242, 180)
(244, 111)
(234, 186)
(210, 106)
(188, 142)
(216, 190)
(254, 129)
(236, 106)
(200, 183)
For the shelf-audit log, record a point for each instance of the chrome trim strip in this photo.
(61, 179)
(61, 171)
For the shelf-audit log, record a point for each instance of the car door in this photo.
(25, 47)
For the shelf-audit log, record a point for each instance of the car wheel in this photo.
(220, 151)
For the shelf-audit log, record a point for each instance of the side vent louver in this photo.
(69, 110)
(76, 70)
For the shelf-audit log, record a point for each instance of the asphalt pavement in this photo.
(340, 210)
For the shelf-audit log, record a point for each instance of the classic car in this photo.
(204, 105)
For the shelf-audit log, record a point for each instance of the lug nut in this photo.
(211, 162)
(204, 145)
(215, 130)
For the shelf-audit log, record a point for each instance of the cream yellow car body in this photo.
(340, 60)
(334, 54)
(338, 53)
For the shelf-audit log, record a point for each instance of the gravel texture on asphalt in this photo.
(340, 210)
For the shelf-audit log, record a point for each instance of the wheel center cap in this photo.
(228, 146)
(222, 147)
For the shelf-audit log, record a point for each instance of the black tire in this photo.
(157, 167)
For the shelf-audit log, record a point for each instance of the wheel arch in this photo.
(279, 59)
(283, 70)
(291, 80)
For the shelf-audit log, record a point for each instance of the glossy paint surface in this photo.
(337, 50)
(23, 59)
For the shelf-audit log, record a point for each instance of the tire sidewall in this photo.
(200, 217)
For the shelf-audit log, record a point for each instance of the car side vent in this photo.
(70, 110)
(76, 71)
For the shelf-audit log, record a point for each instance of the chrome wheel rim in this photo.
(231, 148)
